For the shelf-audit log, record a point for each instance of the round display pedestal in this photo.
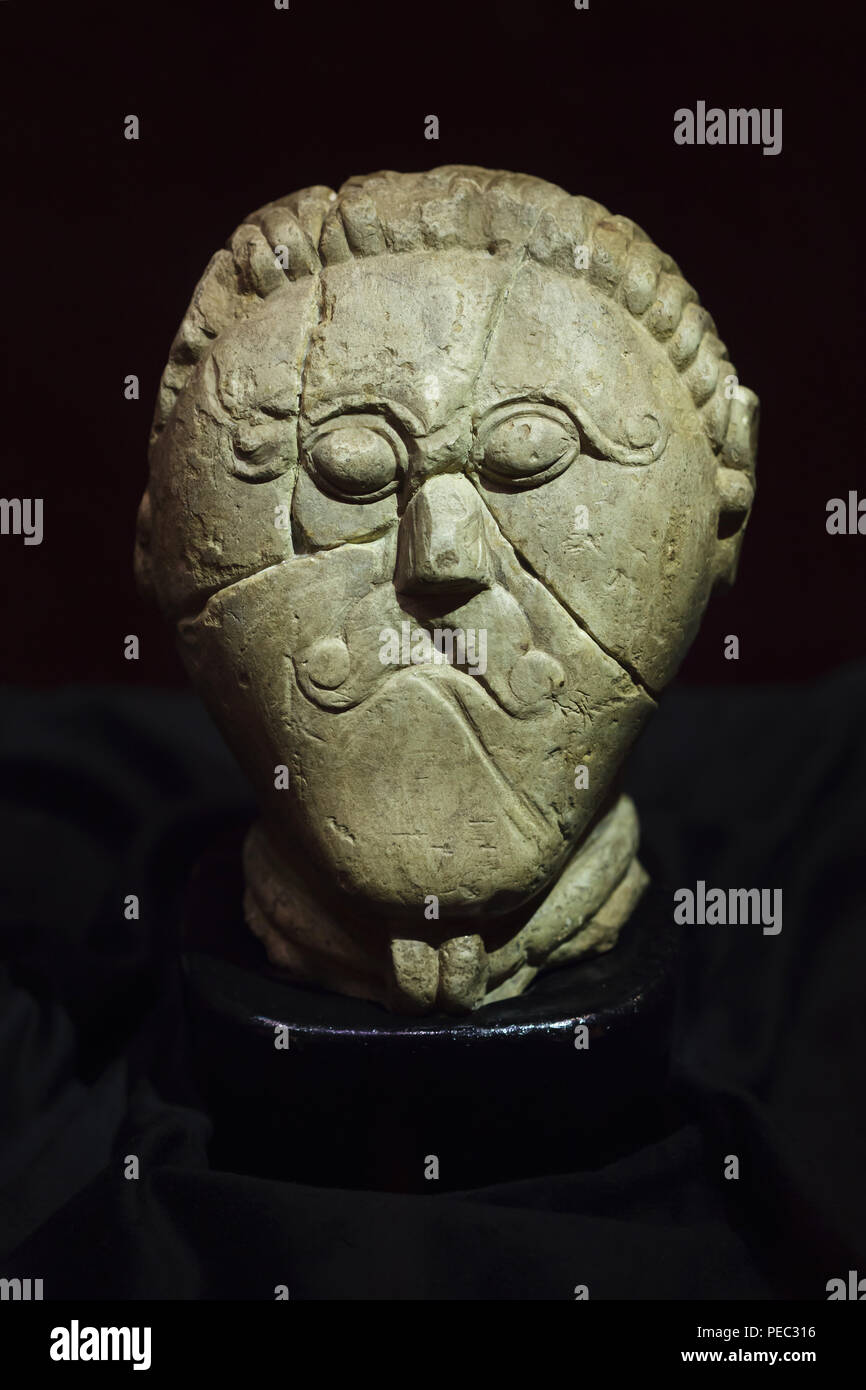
(564, 1077)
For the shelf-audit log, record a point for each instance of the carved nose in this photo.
(442, 543)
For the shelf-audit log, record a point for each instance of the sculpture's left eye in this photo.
(359, 462)
(525, 447)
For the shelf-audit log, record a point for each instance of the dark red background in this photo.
(241, 103)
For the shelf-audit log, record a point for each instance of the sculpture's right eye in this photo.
(358, 461)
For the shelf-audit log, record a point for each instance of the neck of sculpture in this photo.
(451, 965)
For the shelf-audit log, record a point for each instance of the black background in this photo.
(240, 103)
(112, 791)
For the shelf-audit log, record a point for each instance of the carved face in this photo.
(435, 527)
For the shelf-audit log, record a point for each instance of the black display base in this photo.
(366, 1099)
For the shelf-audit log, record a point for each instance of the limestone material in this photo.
(443, 471)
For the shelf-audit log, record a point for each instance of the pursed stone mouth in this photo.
(498, 692)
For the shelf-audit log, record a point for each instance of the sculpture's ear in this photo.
(736, 482)
(143, 562)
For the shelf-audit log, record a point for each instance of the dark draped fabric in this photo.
(107, 793)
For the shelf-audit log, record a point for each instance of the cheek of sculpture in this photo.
(321, 522)
(223, 468)
(629, 550)
(214, 528)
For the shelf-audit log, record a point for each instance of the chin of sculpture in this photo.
(444, 469)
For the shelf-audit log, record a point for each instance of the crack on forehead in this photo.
(498, 308)
(495, 313)
(320, 301)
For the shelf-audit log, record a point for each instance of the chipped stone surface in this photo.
(443, 471)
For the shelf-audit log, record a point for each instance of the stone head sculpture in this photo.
(443, 471)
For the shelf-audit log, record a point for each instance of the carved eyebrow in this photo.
(358, 404)
(619, 453)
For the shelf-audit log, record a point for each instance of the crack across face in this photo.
(433, 583)
(442, 594)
